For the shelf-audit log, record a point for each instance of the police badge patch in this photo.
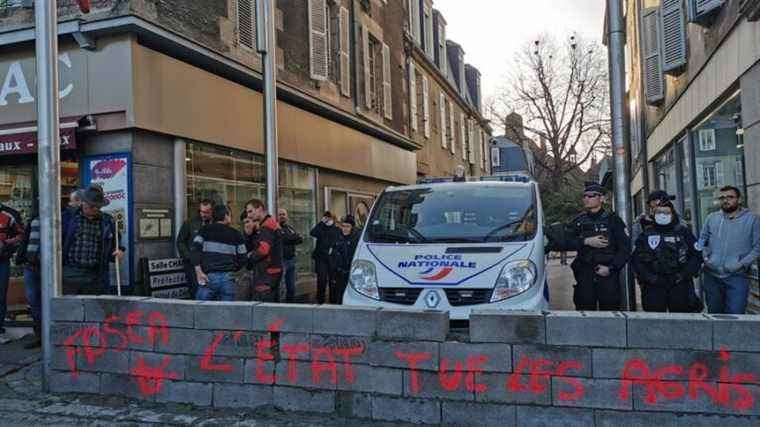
(654, 241)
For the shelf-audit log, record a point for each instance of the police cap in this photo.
(593, 187)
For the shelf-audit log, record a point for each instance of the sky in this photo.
(492, 31)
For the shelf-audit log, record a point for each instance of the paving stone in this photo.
(429, 385)
(482, 414)
(554, 356)
(736, 333)
(217, 315)
(217, 370)
(680, 331)
(353, 405)
(498, 356)
(288, 317)
(391, 354)
(67, 309)
(242, 396)
(403, 325)
(199, 394)
(536, 416)
(514, 327)
(170, 364)
(513, 388)
(586, 328)
(296, 399)
(416, 411)
(65, 382)
(345, 320)
(589, 393)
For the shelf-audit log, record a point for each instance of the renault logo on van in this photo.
(432, 299)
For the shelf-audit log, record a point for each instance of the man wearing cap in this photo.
(326, 233)
(603, 250)
(89, 245)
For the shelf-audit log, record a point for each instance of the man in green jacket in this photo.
(187, 233)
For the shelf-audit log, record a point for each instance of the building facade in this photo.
(445, 100)
(693, 80)
(161, 103)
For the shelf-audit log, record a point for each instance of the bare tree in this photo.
(561, 92)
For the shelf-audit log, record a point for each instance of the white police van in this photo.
(453, 246)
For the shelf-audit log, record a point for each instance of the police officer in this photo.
(603, 249)
(665, 260)
(656, 198)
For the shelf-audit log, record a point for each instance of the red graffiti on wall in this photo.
(730, 391)
(530, 375)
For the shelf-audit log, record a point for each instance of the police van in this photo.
(453, 245)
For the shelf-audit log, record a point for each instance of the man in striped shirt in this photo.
(29, 256)
(217, 252)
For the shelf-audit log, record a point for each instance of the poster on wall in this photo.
(360, 206)
(113, 173)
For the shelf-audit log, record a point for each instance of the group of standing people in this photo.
(664, 254)
(89, 246)
(214, 251)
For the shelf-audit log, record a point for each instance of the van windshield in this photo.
(454, 214)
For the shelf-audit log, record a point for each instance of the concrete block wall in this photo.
(516, 368)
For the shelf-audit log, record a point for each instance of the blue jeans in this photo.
(727, 295)
(289, 265)
(220, 287)
(33, 293)
(5, 277)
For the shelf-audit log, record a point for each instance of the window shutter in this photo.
(443, 55)
(425, 106)
(387, 101)
(345, 52)
(700, 10)
(442, 108)
(414, 18)
(365, 61)
(654, 85)
(429, 42)
(413, 96)
(246, 23)
(483, 151)
(452, 129)
(720, 175)
(471, 142)
(463, 135)
(318, 60)
(673, 35)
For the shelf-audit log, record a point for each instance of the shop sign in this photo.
(113, 173)
(164, 278)
(26, 142)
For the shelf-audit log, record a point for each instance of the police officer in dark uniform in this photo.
(666, 260)
(603, 250)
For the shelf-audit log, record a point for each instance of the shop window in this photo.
(234, 177)
(718, 156)
(665, 172)
(707, 140)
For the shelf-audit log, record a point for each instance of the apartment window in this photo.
(374, 72)
(709, 175)
(246, 23)
(707, 140)
(428, 22)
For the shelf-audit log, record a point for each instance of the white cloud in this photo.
(491, 31)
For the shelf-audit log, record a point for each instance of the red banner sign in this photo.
(26, 142)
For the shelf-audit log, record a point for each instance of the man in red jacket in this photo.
(11, 235)
(264, 245)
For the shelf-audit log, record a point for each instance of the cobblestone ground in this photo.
(23, 404)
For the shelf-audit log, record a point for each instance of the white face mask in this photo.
(330, 223)
(663, 219)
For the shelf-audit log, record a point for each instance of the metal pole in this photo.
(266, 41)
(616, 37)
(49, 167)
(180, 186)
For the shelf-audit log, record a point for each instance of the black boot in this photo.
(37, 341)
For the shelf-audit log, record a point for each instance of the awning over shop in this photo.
(23, 140)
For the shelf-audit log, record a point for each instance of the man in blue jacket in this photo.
(89, 245)
(730, 244)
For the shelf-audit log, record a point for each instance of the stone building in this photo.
(693, 82)
(161, 102)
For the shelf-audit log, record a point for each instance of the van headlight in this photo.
(363, 279)
(515, 278)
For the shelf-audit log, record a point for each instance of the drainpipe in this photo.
(180, 183)
(620, 148)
